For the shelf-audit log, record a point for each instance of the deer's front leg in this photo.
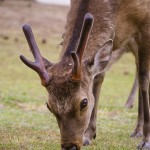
(144, 87)
(91, 130)
(138, 131)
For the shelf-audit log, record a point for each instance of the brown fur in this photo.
(101, 15)
(122, 21)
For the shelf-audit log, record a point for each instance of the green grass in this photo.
(25, 122)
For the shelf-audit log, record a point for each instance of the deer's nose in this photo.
(69, 147)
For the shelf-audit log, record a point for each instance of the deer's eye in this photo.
(83, 103)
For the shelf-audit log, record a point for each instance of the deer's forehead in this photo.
(61, 107)
(60, 70)
(66, 92)
(62, 90)
(63, 103)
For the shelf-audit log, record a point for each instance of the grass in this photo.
(25, 122)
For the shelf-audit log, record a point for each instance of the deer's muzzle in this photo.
(69, 147)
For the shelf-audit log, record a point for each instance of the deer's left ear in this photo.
(102, 58)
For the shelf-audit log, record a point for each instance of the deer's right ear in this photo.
(102, 58)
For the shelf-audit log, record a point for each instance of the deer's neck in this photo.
(101, 29)
(122, 15)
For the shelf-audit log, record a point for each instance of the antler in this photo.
(38, 65)
(77, 56)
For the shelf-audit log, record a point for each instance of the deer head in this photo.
(69, 84)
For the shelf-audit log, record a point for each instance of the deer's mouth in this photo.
(70, 147)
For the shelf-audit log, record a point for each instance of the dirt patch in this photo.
(32, 107)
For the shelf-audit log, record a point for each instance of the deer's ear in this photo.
(102, 58)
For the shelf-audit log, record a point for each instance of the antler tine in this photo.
(77, 57)
(86, 28)
(76, 69)
(38, 65)
(31, 41)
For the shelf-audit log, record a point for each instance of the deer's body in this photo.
(125, 16)
(74, 83)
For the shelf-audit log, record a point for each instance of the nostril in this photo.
(73, 147)
(69, 147)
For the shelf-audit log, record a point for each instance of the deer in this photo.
(94, 29)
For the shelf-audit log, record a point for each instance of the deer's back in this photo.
(131, 17)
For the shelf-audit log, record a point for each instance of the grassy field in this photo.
(25, 122)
